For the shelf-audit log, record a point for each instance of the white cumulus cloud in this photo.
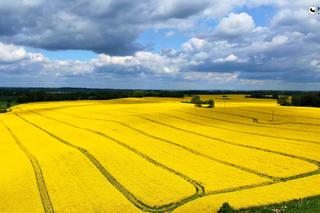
(11, 53)
(235, 24)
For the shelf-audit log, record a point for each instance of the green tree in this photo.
(211, 103)
(283, 100)
(8, 103)
(226, 208)
(195, 99)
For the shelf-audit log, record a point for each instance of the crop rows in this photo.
(46, 202)
(285, 154)
(185, 147)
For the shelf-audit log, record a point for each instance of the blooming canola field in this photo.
(156, 155)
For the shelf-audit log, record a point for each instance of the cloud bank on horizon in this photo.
(203, 44)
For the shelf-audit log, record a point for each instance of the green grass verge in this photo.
(307, 205)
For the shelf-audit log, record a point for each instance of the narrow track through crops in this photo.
(199, 189)
(246, 124)
(174, 120)
(45, 198)
(232, 143)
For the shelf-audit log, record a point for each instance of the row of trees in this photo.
(26, 95)
(12, 96)
(198, 102)
(273, 94)
(284, 101)
(309, 99)
(306, 99)
(264, 96)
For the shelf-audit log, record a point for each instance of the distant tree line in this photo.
(25, 95)
(12, 96)
(264, 96)
(272, 94)
(311, 99)
(289, 98)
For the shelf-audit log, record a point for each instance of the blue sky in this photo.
(262, 15)
(82, 55)
(171, 44)
(155, 40)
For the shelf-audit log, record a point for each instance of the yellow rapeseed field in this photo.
(156, 155)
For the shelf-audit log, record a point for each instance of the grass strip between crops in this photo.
(138, 203)
(45, 198)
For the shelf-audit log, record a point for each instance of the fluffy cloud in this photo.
(211, 76)
(232, 51)
(110, 27)
(141, 62)
(194, 44)
(11, 53)
(229, 58)
(235, 25)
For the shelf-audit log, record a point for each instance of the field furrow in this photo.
(72, 182)
(298, 148)
(263, 195)
(261, 160)
(235, 130)
(301, 134)
(222, 140)
(165, 188)
(46, 202)
(216, 151)
(282, 113)
(18, 182)
(156, 155)
(199, 164)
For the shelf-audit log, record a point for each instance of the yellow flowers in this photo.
(156, 154)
